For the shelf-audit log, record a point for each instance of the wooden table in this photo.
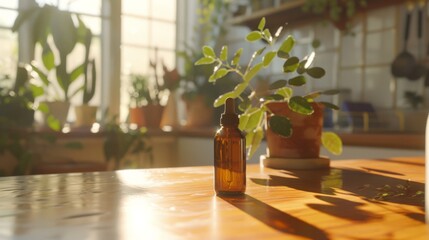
(355, 199)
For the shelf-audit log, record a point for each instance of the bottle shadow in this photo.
(275, 218)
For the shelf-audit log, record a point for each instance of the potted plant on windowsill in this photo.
(293, 123)
(48, 22)
(85, 113)
(197, 93)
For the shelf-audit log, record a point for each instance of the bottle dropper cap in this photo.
(229, 117)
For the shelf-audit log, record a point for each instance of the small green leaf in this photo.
(313, 95)
(43, 107)
(208, 52)
(330, 105)
(258, 135)
(255, 118)
(261, 24)
(253, 71)
(53, 123)
(79, 70)
(236, 58)
(268, 35)
(291, 64)
(36, 90)
(224, 53)
(300, 105)
(218, 74)
(278, 84)
(244, 118)
(205, 61)
(239, 89)
(268, 58)
(48, 58)
(254, 36)
(40, 74)
(297, 81)
(301, 67)
(260, 51)
(316, 72)
(332, 142)
(286, 92)
(287, 45)
(316, 43)
(222, 99)
(280, 125)
(283, 55)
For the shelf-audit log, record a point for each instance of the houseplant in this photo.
(197, 93)
(139, 95)
(86, 114)
(49, 22)
(278, 109)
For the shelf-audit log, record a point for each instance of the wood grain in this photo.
(179, 203)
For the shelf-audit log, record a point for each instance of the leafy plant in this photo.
(413, 99)
(339, 11)
(48, 21)
(252, 117)
(139, 90)
(121, 141)
(210, 30)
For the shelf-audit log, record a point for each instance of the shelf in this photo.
(291, 13)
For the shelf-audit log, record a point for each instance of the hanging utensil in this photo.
(404, 62)
(419, 69)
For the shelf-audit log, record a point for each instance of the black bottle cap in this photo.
(229, 117)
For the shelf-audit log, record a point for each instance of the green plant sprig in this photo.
(252, 118)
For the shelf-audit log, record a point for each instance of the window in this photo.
(8, 40)
(148, 34)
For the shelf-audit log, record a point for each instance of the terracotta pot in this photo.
(85, 115)
(198, 114)
(137, 116)
(152, 115)
(305, 140)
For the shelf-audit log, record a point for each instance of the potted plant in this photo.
(291, 121)
(139, 95)
(16, 122)
(48, 21)
(85, 113)
(197, 93)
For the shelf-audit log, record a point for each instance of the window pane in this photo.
(351, 80)
(81, 6)
(50, 2)
(378, 87)
(137, 7)
(135, 31)
(93, 23)
(7, 17)
(351, 53)
(135, 60)
(380, 48)
(8, 57)
(165, 9)
(379, 19)
(163, 35)
(9, 3)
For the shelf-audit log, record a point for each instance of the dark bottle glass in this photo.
(229, 154)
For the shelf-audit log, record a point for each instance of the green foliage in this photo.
(120, 141)
(49, 21)
(251, 118)
(139, 91)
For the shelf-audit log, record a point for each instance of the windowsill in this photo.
(402, 140)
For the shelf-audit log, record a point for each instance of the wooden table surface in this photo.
(355, 199)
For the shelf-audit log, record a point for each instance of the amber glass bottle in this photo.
(229, 154)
